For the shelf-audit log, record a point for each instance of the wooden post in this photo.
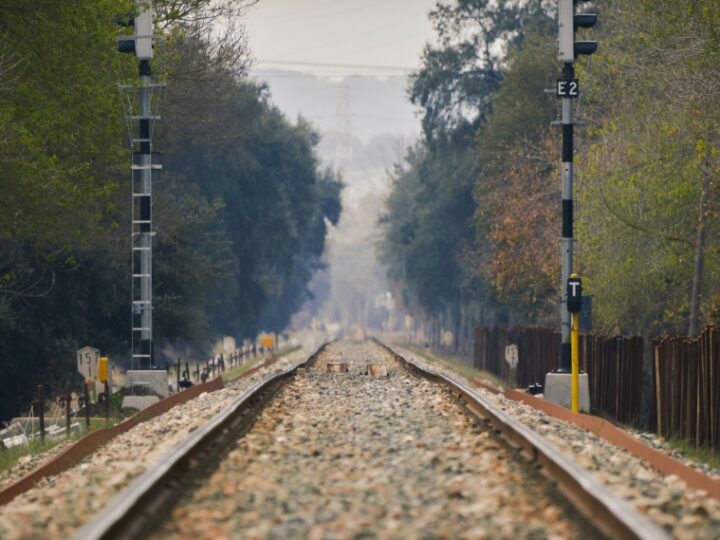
(68, 398)
(86, 398)
(658, 393)
(107, 401)
(41, 410)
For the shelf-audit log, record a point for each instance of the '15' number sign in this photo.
(87, 361)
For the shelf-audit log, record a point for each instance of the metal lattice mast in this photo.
(143, 168)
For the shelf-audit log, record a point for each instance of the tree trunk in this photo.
(699, 260)
(464, 318)
(436, 332)
(457, 328)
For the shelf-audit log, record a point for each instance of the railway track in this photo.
(416, 453)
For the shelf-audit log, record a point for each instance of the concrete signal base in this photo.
(558, 387)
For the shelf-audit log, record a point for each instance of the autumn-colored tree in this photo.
(522, 263)
(431, 246)
(516, 190)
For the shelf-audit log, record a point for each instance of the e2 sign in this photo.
(567, 88)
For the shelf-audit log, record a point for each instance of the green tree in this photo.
(435, 236)
(650, 169)
(239, 213)
(264, 169)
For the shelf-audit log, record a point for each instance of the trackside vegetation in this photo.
(240, 210)
(471, 228)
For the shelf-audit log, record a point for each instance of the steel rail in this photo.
(112, 521)
(610, 513)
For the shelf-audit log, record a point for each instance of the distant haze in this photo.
(344, 66)
(368, 32)
(364, 106)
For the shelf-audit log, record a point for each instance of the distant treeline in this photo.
(472, 228)
(240, 210)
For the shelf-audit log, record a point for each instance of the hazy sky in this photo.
(365, 32)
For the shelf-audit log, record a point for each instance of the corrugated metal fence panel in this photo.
(613, 364)
(537, 352)
(687, 387)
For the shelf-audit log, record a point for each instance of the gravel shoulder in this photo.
(684, 512)
(58, 505)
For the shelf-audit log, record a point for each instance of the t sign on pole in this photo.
(574, 306)
(574, 294)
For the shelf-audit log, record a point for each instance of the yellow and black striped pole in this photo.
(574, 306)
(575, 362)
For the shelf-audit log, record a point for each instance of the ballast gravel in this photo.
(59, 505)
(347, 455)
(684, 512)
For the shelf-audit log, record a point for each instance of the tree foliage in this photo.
(647, 167)
(438, 236)
(650, 169)
(239, 213)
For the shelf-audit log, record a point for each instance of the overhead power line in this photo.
(340, 66)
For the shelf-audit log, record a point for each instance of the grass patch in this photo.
(702, 455)
(284, 351)
(10, 456)
(235, 372)
(459, 366)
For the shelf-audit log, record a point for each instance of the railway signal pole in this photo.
(141, 45)
(557, 384)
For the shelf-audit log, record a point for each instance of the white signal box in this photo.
(566, 18)
(144, 30)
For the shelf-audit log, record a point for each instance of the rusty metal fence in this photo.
(613, 364)
(686, 375)
(615, 370)
(537, 353)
